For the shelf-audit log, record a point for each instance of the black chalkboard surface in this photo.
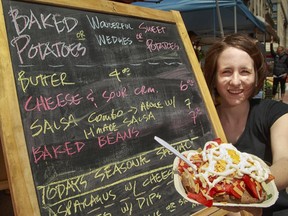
(93, 89)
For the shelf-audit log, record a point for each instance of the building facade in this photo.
(280, 16)
(275, 15)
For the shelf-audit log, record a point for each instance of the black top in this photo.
(256, 137)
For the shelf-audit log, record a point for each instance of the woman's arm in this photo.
(279, 168)
(279, 145)
(272, 50)
(273, 53)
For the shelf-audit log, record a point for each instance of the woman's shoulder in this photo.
(268, 103)
(268, 109)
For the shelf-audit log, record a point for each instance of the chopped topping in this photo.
(221, 168)
(234, 156)
(224, 159)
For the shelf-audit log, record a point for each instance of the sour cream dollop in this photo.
(222, 160)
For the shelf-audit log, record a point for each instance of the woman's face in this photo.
(235, 78)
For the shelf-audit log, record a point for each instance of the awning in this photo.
(200, 16)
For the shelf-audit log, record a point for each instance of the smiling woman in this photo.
(234, 71)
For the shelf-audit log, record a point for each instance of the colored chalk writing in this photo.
(93, 90)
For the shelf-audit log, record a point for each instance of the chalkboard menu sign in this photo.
(93, 89)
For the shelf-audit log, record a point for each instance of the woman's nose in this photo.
(235, 79)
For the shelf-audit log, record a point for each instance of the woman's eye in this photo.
(226, 73)
(245, 72)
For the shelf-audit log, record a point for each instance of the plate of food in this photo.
(223, 176)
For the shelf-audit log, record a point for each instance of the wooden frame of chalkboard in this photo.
(84, 88)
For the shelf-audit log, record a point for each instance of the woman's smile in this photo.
(235, 91)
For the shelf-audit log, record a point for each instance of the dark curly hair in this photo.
(242, 42)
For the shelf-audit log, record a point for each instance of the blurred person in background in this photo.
(280, 70)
